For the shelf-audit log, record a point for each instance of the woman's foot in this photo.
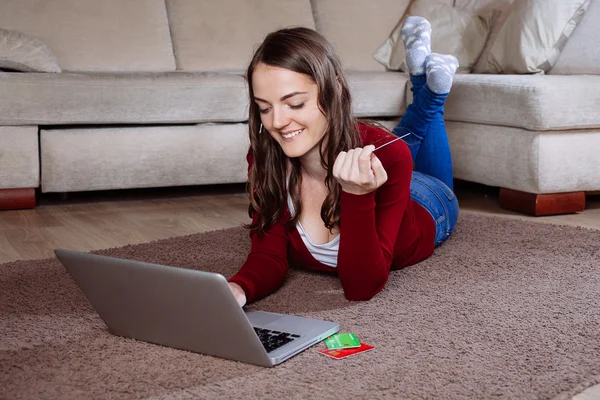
(416, 36)
(440, 70)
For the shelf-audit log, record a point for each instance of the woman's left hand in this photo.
(359, 171)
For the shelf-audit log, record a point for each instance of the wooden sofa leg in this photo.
(542, 204)
(14, 199)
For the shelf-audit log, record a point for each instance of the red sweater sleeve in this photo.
(370, 226)
(266, 266)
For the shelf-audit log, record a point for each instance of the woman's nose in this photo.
(280, 118)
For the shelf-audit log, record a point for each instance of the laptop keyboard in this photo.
(272, 340)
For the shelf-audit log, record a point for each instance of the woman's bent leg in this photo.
(418, 116)
(427, 139)
(424, 119)
(434, 157)
(405, 127)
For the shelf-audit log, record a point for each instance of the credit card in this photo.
(342, 341)
(338, 354)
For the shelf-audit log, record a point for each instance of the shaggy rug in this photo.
(505, 309)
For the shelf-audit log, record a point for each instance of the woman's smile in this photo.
(288, 136)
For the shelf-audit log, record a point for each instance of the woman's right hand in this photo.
(359, 171)
(238, 292)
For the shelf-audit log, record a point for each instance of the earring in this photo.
(261, 128)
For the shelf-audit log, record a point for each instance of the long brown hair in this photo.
(304, 51)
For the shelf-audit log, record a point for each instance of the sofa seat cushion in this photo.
(529, 161)
(378, 94)
(105, 98)
(99, 158)
(534, 102)
(171, 97)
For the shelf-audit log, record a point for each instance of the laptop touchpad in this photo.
(259, 318)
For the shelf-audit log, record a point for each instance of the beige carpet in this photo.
(505, 309)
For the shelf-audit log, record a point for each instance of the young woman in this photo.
(322, 195)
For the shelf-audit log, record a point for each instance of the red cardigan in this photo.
(379, 231)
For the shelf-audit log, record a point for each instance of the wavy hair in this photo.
(306, 52)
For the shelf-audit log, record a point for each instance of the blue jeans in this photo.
(431, 185)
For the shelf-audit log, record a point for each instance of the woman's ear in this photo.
(339, 82)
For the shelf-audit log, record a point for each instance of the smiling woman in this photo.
(289, 108)
(312, 165)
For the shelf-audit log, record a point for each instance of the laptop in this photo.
(187, 309)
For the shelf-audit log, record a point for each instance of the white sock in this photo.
(416, 36)
(440, 69)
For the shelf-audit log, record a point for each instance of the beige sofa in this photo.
(152, 94)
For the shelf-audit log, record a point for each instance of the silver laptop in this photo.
(187, 309)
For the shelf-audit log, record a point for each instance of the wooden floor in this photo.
(91, 221)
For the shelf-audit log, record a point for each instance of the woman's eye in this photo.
(297, 106)
(263, 110)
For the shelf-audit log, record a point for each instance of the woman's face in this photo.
(289, 109)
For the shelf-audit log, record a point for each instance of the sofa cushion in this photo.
(581, 54)
(176, 97)
(140, 98)
(356, 28)
(533, 35)
(480, 5)
(535, 102)
(454, 31)
(92, 35)
(377, 94)
(20, 165)
(220, 35)
(501, 16)
(81, 159)
(23, 53)
(533, 162)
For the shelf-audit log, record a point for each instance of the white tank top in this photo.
(326, 253)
